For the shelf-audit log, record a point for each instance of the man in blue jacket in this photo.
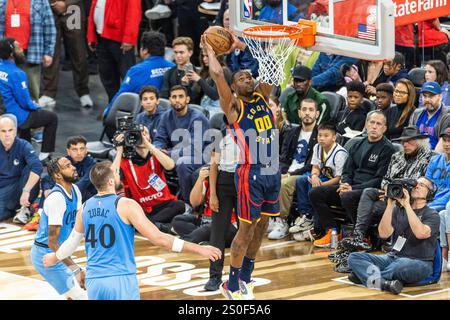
(17, 100)
(180, 134)
(149, 72)
(326, 74)
(20, 170)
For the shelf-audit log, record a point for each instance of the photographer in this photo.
(143, 178)
(414, 228)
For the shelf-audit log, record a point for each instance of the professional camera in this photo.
(395, 188)
(132, 135)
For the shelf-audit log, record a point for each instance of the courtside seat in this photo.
(417, 76)
(201, 109)
(127, 104)
(217, 121)
(164, 103)
(336, 101)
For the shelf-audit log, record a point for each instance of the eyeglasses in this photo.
(400, 92)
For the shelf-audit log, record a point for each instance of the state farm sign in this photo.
(410, 11)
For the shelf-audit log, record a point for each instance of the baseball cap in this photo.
(302, 73)
(445, 132)
(431, 86)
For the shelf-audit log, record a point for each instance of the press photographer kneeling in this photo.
(141, 167)
(415, 230)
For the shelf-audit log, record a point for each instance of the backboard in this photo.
(362, 29)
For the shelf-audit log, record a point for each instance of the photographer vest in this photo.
(145, 184)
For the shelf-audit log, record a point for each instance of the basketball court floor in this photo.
(285, 269)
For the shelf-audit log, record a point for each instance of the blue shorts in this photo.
(257, 194)
(59, 276)
(113, 288)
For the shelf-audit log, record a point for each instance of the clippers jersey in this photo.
(254, 131)
(69, 217)
(109, 241)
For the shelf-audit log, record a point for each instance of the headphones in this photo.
(431, 191)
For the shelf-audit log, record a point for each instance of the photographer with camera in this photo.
(414, 228)
(410, 163)
(142, 174)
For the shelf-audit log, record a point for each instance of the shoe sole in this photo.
(322, 245)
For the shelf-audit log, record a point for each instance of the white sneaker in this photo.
(271, 225)
(23, 215)
(280, 230)
(448, 266)
(86, 101)
(47, 102)
(247, 290)
(303, 224)
(303, 236)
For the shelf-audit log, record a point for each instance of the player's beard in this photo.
(71, 179)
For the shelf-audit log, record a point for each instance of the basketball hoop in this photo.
(271, 45)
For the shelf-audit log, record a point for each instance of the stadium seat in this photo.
(201, 109)
(417, 76)
(351, 142)
(368, 105)
(164, 103)
(217, 121)
(127, 104)
(336, 101)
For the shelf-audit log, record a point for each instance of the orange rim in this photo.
(273, 31)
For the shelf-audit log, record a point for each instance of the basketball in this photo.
(219, 39)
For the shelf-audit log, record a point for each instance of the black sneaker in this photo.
(353, 278)
(393, 286)
(213, 284)
(356, 242)
(342, 267)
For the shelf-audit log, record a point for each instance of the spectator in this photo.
(197, 228)
(365, 167)
(295, 160)
(113, 29)
(372, 75)
(16, 97)
(439, 172)
(205, 86)
(410, 163)
(354, 115)
(36, 34)
(143, 180)
(302, 89)
(272, 12)
(384, 98)
(280, 120)
(74, 39)
(223, 203)
(414, 228)
(444, 214)
(327, 164)
(395, 69)
(149, 72)
(326, 73)
(152, 113)
(83, 163)
(433, 118)
(398, 115)
(20, 170)
(188, 155)
(436, 70)
(183, 48)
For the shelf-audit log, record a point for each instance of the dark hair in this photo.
(100, 173)
(385, 87)
(183, 40)
(179, 87)
(204, 71)
(409, 104)
(399, 58)
(53, 167)
(233, 75)
(154, 42)
(357, 86)
(441, 70)
(6, 48)
(327, 126)
(146, 89)
(308, 100)
(74, 140)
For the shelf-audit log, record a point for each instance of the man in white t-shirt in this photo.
(295, 159)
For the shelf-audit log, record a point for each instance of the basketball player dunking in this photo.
(107, 222)
(257, 177)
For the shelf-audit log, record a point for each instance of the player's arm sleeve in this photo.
(54, 207)
(69, 246)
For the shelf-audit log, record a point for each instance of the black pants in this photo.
(221, 228)
(41, 118)
(322, 198)
(369, 208)
(165, 212)
(113, 64)
(414, 58)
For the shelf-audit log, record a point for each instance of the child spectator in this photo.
(384, 94)
(151, 115)
(353, 116)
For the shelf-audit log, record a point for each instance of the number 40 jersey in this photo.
(109, 241)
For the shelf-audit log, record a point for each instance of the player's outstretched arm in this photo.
(135, 216)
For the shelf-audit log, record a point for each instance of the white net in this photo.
(271, 53)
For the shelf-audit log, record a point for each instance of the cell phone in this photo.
(188, 67)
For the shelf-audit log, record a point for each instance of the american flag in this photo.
(366, 32)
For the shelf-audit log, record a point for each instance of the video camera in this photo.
(132, 135)
(395, 188)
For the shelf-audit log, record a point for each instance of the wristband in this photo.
(177, 245)
(26, 190)
(77, 271)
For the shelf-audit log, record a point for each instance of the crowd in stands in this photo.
(347, 129)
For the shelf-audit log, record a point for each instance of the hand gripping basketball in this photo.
(219, 38)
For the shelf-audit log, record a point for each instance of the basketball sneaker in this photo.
(22, 216)
(247, 290)
(34, 223)
(271, 225)
(237, 295)
(279, 231)
(302, 224)
(304, 236)
(325, 241)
